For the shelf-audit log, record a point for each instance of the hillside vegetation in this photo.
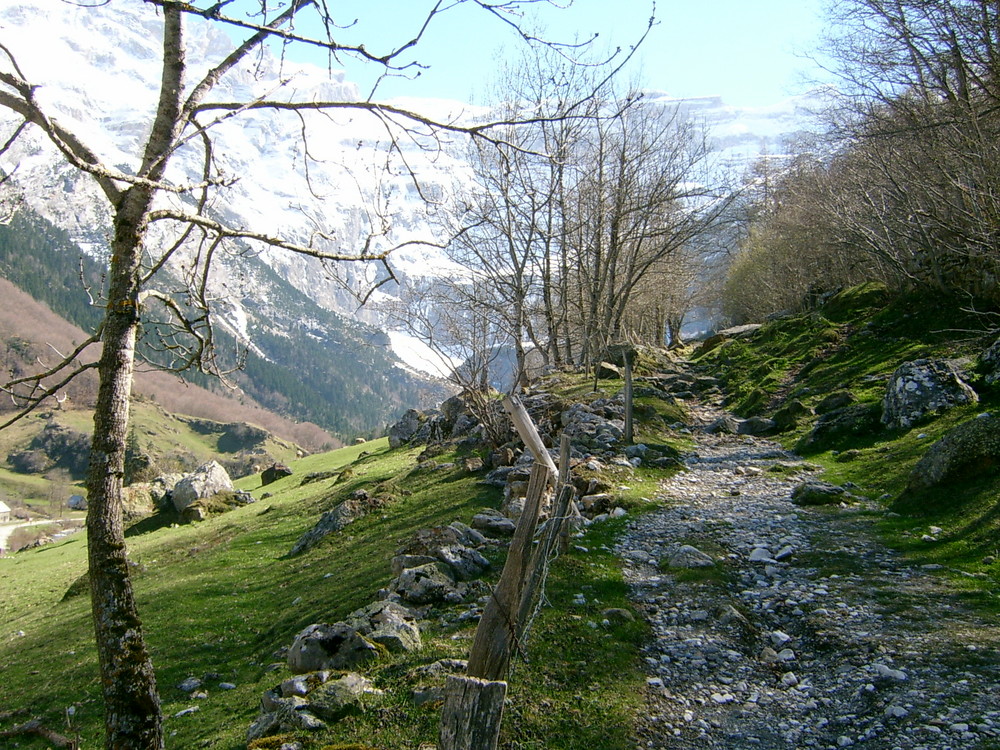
(46, 453)
(221, 599)
(305, 364)
(849, 348)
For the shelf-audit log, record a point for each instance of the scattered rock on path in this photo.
(690, 557)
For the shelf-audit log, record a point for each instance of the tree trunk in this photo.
(133, 719)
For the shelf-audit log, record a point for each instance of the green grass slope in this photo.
(177, 443)
(853, 344)
(221, 598)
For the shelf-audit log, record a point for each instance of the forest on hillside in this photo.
(902, 186)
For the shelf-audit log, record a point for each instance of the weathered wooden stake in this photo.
(473, 709)
(473, 705)
(628, 398)
(497, 632)
(564, 451)
(527, 432)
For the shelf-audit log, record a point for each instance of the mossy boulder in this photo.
(834, 401)
(329, 646)
(334, 700)
(849, 421)
(923, 387)
(848, 303)
(969, 450)
(819, 493)
(787, 417)
(989, 364)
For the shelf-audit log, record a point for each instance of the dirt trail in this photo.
(806, 632)
(7, 529)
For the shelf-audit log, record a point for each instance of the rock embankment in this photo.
(804, 632)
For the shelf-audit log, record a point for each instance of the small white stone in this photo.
(788, 679)
(779, 638)
(892, 674)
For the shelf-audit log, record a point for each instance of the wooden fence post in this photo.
(528, 434)
(628, 397)
(565, 446)
(470, 718)
(473, 707)
(497, 632)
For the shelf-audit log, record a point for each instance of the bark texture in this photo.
(132, 705)
(473, 710)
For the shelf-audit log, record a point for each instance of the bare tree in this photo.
(456, 320)
(514, 220)
(573, 221)
(920, 127)
(644, 197)
(156, 218)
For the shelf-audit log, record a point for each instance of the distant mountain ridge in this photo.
(314, 365)
(99, 72)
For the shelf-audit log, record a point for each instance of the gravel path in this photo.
(806, 632)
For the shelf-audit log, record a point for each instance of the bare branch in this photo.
(365, 254)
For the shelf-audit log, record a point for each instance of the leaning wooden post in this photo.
(527, 432)
(473, 706)
(473, 709)
(497, 631)
(628, 397)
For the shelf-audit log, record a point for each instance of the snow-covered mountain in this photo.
(97, 70)
(98, 73)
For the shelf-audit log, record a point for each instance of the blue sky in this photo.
(750, 52)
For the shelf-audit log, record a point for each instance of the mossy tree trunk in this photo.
(133, 719)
